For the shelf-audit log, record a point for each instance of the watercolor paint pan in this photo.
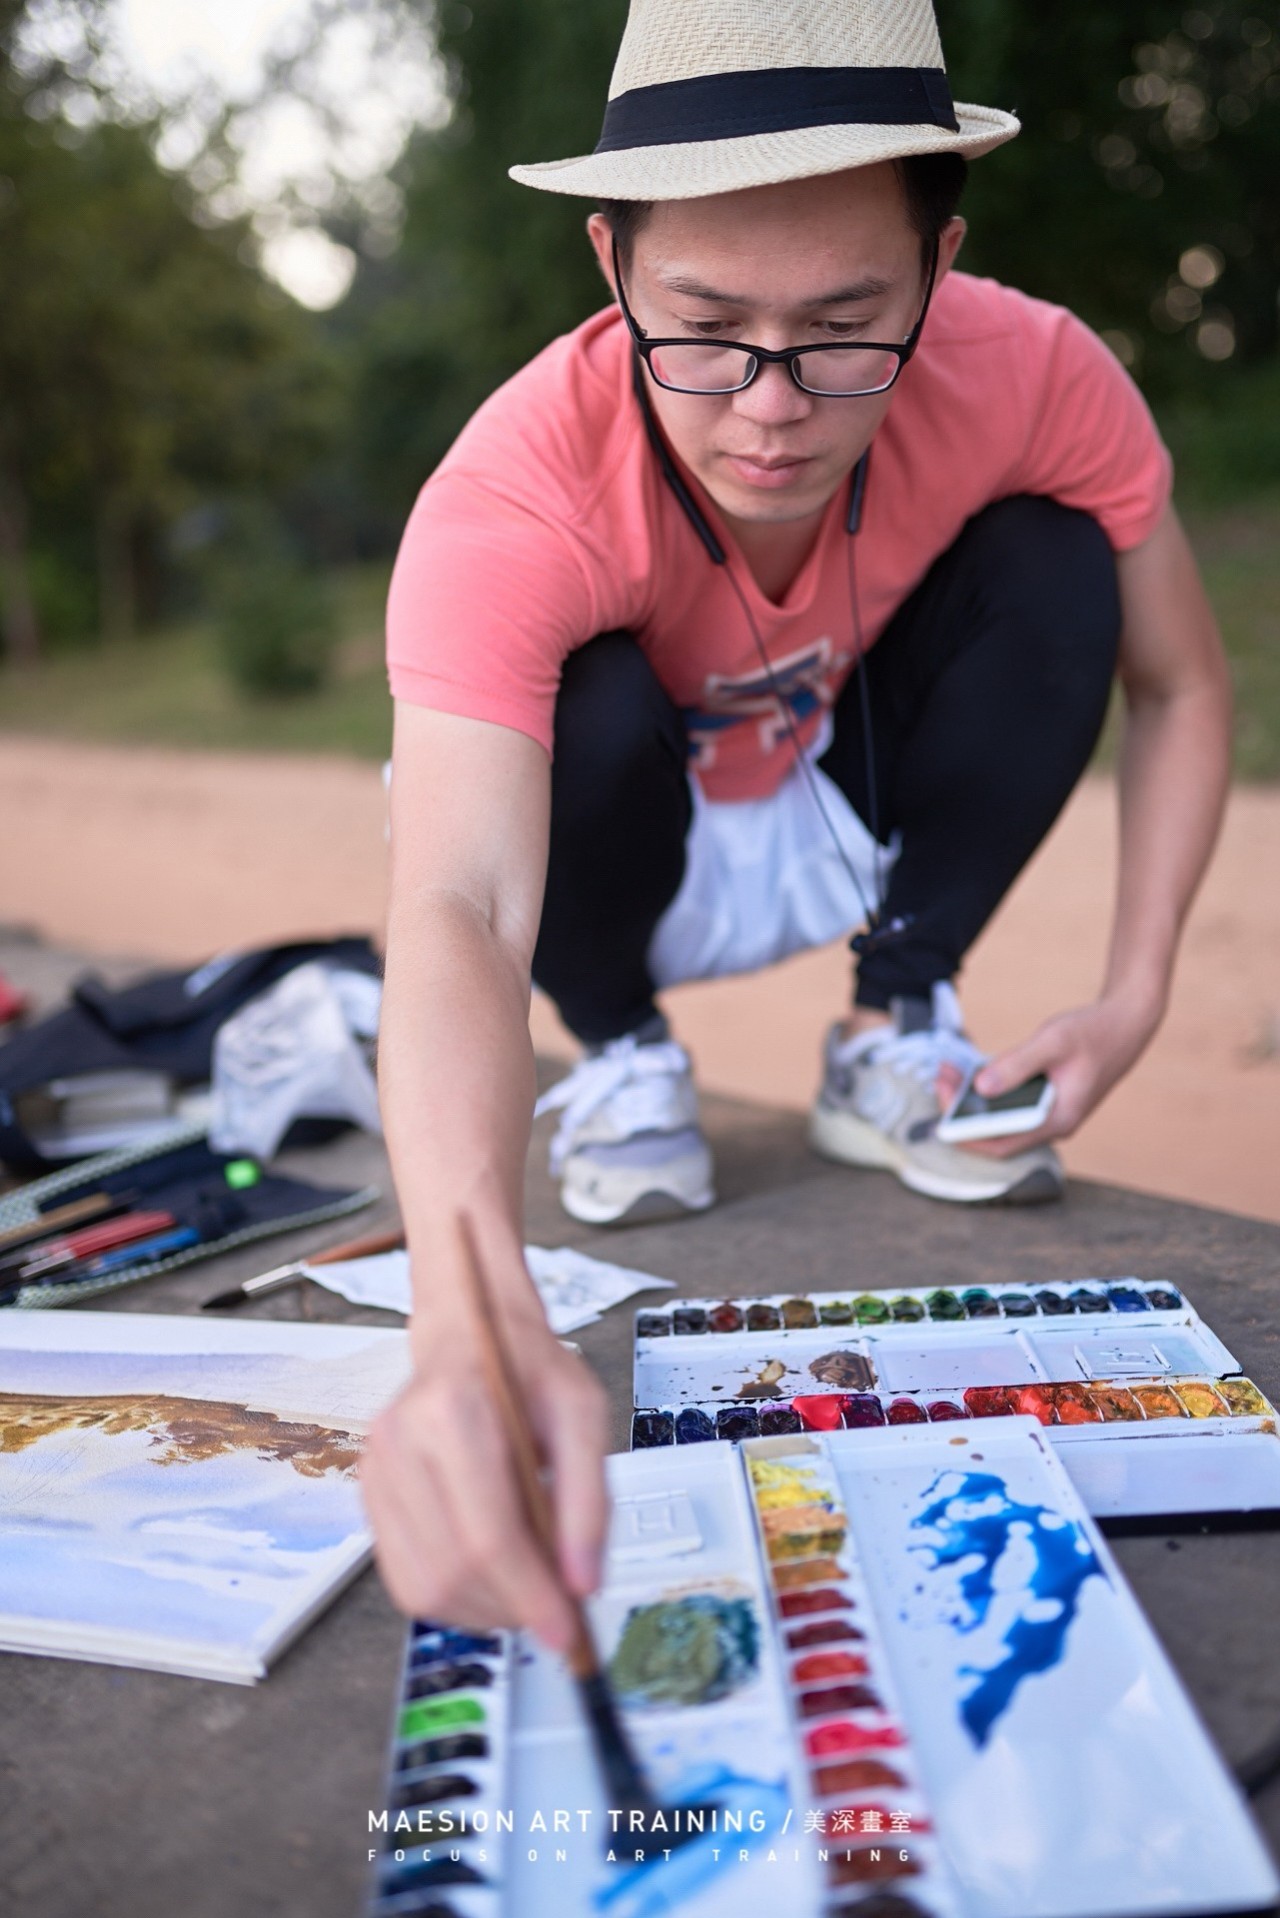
(962, 1534)
(754, 1369)
(447, 1778)
(843, 1699)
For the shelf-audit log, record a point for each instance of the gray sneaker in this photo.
(878, 1108)
(629, 1146)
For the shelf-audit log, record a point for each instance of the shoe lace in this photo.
(921, 1053)
(635, 1080)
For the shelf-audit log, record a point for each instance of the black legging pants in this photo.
(987, 690)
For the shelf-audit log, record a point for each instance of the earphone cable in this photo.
(871, 914)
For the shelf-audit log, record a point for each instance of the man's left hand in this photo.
(1083, 1053)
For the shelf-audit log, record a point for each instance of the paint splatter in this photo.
(669, 1884)
(848, 1370)
(686, 1651)
(764, 1384)
(980, 1527)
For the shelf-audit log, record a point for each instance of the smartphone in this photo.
(971, 1115)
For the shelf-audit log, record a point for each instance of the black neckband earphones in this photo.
(875, 933)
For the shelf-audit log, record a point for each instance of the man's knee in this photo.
(613, 719)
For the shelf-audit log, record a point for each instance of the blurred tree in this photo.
(486, 272)
(1142, 191)
(144, 360)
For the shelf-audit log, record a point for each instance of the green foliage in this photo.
(486, 272)
(274, 619)
(1142, 190)
(145, 363)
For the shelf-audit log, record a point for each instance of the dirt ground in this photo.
(173, 856)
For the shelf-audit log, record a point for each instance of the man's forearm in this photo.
(457, 1082)
(1174, 774)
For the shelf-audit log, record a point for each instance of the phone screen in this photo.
(974, 1105)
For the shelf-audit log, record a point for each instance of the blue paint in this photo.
(1127, 1298)
(661, 1885)
(976, 1521)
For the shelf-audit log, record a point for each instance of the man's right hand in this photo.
(452, 1538)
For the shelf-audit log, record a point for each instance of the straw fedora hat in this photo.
(709, 96)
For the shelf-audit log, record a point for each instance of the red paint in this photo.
(1073, 1406)
(988, 1401)
(1033, 1399)
(825, 1599)
(823, 1631)
(820, 1412)
(842, 1735)
(807, 1671)
(907, 1412)
(838, 1698)
(945, 1409)
(856, 1774)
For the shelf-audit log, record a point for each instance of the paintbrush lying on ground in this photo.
(294, 1272)
(642, 1815)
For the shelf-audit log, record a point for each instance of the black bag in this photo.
(164, 1023)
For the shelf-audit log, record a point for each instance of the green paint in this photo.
(426, 1716)
(870, 1310)
(240, 1173)
(686, 1651)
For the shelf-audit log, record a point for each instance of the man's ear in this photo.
(600, 233)
(950, 240)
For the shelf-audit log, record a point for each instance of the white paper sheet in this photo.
(574, 1289)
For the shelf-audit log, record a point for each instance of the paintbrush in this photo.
(293, 1273)
(75, 1212)
(624, 1780)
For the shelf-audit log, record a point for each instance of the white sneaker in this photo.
(878, 1107)
(629, 1146)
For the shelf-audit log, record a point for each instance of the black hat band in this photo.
(732, 106)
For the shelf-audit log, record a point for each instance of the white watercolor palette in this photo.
(954, 1708)
(1098, 1363)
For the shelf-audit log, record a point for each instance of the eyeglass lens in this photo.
(712, 367)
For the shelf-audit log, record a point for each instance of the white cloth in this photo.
(574, 1289)
(763, 879)
(294, 1052)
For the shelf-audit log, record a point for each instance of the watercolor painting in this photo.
(146, 1522)
(1013, 1576)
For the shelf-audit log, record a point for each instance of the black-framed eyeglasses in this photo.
(834, 370)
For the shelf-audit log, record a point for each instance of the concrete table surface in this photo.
(136, 1795)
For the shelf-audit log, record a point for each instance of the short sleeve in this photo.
(1092, 442)
(487, 599)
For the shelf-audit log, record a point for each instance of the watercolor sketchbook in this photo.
(901, 1667)
(1148, 1407)
(180, 1495)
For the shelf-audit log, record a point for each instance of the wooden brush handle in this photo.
(367, 1248)
(523, 1444)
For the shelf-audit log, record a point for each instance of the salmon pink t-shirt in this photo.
(549, 521)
